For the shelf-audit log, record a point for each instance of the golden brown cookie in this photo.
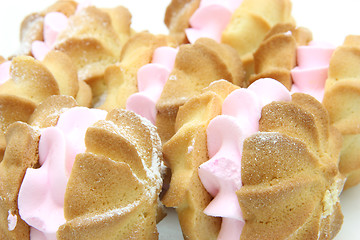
(250, 23)
(36, 80)
(126, 151)
(120, 79)
(31, 28)
(247, 28)
(297, 180)
(93, 39)
(29, 79)
(196, 66)
(13, 109)
(22, 153)
(289, 170)
(177, 17)
(342, 93)
(32, 81)
(276, 55)
(92, 42)
(184, 153)
(113, 188)
(47, 113)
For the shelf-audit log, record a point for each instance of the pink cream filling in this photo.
(221, 175)
(4, 72)
(211, 19)
(312, 71)
(41, 195)
(54, 23)
(151, 81)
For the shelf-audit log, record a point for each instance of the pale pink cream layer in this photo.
(41, 195)
(151, 80)
(4, 72)
(221, 175)
(211, 19)
(54, 23)
(312, 69)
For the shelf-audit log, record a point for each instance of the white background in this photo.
(329, 20)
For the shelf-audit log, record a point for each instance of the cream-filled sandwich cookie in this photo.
(93, 174)
(196, 66)
(125, 78)
(262, 155)
(276, 55)
(92, 37)
(240, 24)
(25, 82)
(317, 72)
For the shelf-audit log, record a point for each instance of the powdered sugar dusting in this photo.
(153, 181)
(53, 115)
(101, 99)
(151, 158)
(173, 78)
(114, 212)
(153, 172)
(191, 147)
(30, 33)
(12, 220)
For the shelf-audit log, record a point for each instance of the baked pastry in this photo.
(276, 55)
(314, 76)
(35, 80)
(32, 26)
(121, 79)
(196, 66)
(22, 153)
(184, 153)
(342, 92)
(289, 55)
(177, 17)
(106, 53)
(92, 37)
(313, 186)
(104, 187)
(240, 24)
(310, 177)
(26, 82)
(297, 179)
(151, 79)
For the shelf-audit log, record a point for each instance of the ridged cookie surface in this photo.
(196, 66)
(184, 153)
(341, 99)
(290, 174)
(114, 187)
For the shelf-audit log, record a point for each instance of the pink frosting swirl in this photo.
(221, 175)
(41, 195)
(151, 81)
(83, 4)
(4, 72)
(54, 23)
(211, 19)
(312, 71)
